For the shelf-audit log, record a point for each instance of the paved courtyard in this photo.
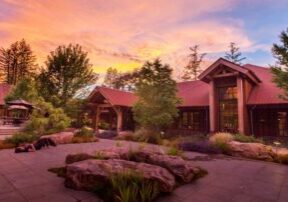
(24, 177)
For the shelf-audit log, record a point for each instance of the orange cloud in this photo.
(124, 33)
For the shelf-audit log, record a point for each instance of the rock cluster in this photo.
(85, 170)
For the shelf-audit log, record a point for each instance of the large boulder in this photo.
(183, 170)
(61, 138)
(251, 150)
(88, 174)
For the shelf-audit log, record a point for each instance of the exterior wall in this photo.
(269, 120)
(191, 121)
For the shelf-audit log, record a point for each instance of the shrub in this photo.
(127, 135)
(129, 186)
(149, 136)
(84, 139)
(246, 138)
(103, 125)
(221, 141)
(20, 138)
(6, 145)
(85, 132)
(46, 119)
(174, 151)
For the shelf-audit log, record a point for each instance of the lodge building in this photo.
(227, 97)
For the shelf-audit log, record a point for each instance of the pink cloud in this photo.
(122, 33)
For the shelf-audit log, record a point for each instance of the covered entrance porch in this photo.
(109, 111)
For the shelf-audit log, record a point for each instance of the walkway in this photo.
(24, 177)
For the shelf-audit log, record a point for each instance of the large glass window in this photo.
(228, 109)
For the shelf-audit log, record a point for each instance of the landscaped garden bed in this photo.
(128, 175)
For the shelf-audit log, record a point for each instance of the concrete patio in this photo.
(24, 177)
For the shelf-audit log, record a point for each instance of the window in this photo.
(282, 123)
(228, 109)
(192, 120)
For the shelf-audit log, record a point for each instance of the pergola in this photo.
(113, 101)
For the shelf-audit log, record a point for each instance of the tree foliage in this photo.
(24, 89)
(16, 62)
(67, 70)
(192, 70)
(112, 78)
(118, 80)
(280, 69)
(234, 55)
(157, 100)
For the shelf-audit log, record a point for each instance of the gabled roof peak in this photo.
(207, 73)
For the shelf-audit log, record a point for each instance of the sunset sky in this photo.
(124, 33)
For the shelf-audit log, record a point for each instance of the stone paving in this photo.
(24, 177)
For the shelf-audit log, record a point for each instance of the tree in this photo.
(157, 101)
(192, 70)
(123, 81)
(17, 62)
(234, 55)
(67, 70)
(280, 69)
(25, 89)
(112, 75)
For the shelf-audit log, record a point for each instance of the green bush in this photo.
(20, 138)
(246, 138)
(149, 136)
(46, 119)
(130, 186)
(174, 151)
(103, 125)
(85, 132)
(221, 140)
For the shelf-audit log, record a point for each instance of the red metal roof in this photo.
(4, 90)
(116, 97)
(265, 92)
(196, 93)
(193, 93)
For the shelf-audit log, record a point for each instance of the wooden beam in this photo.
(119, 113)
(226, 75)
(99, 105)
(97, 118)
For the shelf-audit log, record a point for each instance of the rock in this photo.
(88, 174)
(106, 134)
(61, 138)
(281, 155)
(183, 170)
(72, 158)
(251, 150)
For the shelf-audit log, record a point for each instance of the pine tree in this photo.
(280, 69)
(234, 55)
(17, 62)
(157, 100)
(193, 69)
(112, 78)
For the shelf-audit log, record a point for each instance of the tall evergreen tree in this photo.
(193, 69)
(16, 62)
(234, 55)
(157, 100)
(280, 69)
(67, 70)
